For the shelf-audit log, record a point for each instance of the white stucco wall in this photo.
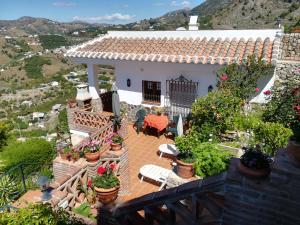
(139, 71)
(136, 71)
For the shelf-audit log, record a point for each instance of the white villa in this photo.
(173, 68)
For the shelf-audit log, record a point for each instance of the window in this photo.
(151, 91)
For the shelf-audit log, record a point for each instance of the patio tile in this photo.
(142, 150)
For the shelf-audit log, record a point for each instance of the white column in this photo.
(93, 81)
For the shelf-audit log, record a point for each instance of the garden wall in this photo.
(290, 47)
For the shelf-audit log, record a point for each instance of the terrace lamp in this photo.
(44, 183)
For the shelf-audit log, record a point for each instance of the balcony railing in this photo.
(78, 118)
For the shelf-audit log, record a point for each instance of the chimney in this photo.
(193, 25)
(83, 97)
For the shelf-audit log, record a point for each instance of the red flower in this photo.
(257, 90)
(224, 77)
(101, 170)
(90, 183)
(268, 92)
(297, 108)
(112, 166)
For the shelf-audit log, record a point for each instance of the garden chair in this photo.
(172, 127)
(140, 116)
(156, 173)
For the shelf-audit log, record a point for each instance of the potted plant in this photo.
(254, 163)
(91, 151)
(66, 153)
(75, 156)
(106, 184)
(88, 191)
(186, 158)
(116, 142)
(293, 148)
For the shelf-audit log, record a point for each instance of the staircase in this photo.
(197, 202)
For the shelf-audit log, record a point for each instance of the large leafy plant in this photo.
(253, 158)
(8, 190)
(39, 214)
(215, 111)
(272, 136)
(242, 80)
(210, 159)
(284, 104)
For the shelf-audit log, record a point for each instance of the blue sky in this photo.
(101, 11)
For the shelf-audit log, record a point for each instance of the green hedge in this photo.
(34, 153)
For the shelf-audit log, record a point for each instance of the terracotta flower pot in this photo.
(92, 157)
(253, 173)
(115, 147)
(65, 156)
(107, 196)
(293, 151)
(185, 170)
(75, 157)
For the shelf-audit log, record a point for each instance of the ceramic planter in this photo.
(92, 157)
(115, 147)
(253, 173)
(293, 151)
(107, 196)
(185, 170)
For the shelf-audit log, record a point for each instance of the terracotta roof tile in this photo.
(181, 50)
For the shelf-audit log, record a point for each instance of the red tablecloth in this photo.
(158, 122)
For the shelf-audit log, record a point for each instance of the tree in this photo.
(242, 80)
(3, 134)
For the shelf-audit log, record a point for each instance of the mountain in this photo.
(31, 25)
(230, 14)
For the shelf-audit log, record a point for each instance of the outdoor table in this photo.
(158, 122)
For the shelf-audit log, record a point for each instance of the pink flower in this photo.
(224, 77)
(101, 170)
(257, 89)
(268, 92)
(90, 184)
(112, 166)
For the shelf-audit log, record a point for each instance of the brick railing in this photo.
(79, 119)
(197, 202)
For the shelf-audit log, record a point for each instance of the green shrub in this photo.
(272, 135)
(210, 159)
(33, 66)
(38, 214)
(53, 41)
(34, 153)
(3, 134)
(213, 110)
(242, 80)
(63, 125)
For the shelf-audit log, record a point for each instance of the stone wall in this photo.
(130, 110)
(290, 47)
(271, 200)
(287, 71)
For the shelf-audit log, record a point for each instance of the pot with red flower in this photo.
(66, 153)
(293, 148)
(106, 184)
(116, 142)
(91, 151)
(254, 163)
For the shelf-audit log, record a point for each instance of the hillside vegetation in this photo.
(53, 41)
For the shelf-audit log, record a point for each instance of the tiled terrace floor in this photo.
(142, 150)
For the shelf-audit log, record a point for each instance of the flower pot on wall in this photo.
(65, 156)
(253, 173)
(185, 170)
(293, 150)
(115, 147)
(107, 196)
(92, 157)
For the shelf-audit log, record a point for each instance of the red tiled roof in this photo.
(179, 50)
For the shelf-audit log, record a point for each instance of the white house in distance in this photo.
(173, 68)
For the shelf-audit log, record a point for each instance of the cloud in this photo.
(64, 4)
(107, 18)
(183, 4)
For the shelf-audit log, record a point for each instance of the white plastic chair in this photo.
(156, 173)
(168, 149)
